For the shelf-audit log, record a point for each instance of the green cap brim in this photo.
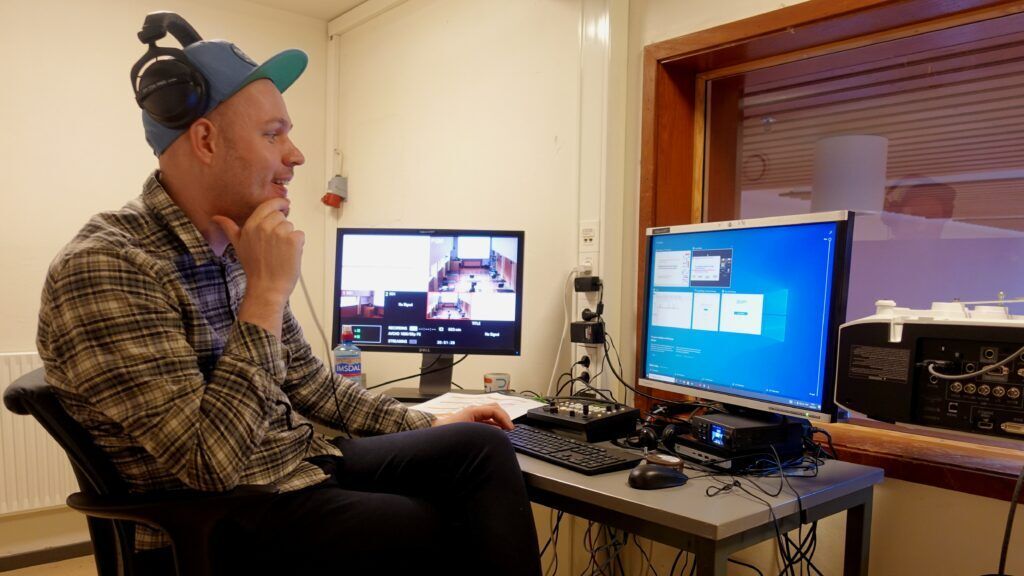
(283, 70)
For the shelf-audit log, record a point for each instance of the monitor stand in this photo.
(437, 381)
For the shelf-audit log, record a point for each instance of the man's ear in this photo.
(202, 135)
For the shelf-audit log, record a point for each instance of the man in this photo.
(166, 332)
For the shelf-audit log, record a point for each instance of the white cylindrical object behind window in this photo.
(849, 173)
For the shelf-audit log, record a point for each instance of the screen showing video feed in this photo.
(456, 291)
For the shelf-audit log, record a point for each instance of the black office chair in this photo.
(188, 517)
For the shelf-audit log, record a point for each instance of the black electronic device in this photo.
(430, 292)
(585, 419)
(739, 433)
(167, 86)
(587, 332)
(732, 460)
(568, 453)
(587, 284)
(952, 367)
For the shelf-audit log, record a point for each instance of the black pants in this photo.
(446, 500)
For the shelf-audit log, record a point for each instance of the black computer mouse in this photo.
(654, 477)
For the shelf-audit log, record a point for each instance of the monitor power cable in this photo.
(420, 373)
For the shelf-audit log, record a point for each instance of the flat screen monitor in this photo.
(431, 292)
(747, 312)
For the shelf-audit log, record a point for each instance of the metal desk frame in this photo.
(700, 529)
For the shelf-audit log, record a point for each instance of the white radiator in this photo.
(34, 472)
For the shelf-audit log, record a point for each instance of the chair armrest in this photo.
(173, 510)
(187, 516)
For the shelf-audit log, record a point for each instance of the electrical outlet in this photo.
(589, 235)
(588, 261)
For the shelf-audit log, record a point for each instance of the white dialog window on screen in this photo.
(672, 309)
(742, 313)
(672, 268)
(706, 268)
(705, 311)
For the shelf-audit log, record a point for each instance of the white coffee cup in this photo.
(497, 381)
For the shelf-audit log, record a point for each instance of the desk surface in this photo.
(687, 508)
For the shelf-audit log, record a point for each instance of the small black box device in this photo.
(587, 283)
(585, 419)
(742, 433)
(583, 332)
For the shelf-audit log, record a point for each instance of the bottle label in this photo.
(348, 369)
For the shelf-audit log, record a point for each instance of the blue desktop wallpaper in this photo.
(791, 268)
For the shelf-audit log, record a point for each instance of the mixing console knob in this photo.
(956, 387)
(1013, 393)
(998, 391)
(970, 388)
(984, 389)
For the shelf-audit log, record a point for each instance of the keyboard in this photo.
(572, 454)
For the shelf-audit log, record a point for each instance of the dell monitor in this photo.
(430, 292)
(747, 312)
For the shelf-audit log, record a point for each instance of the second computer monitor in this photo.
(747, 312)
(434, 292)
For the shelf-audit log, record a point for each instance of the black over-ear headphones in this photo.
(167, 86)
(657, 429)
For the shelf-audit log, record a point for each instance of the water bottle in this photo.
(347, 357)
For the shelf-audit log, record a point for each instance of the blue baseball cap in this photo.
(227, 70)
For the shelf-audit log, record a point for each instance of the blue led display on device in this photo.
(717, 435)
(747, 312)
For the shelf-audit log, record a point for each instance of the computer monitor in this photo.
(747, 312)
(430, 292)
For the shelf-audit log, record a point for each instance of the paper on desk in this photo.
(450, 402)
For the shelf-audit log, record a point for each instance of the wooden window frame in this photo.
(673, 172)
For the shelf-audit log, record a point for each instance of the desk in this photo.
(712, 528)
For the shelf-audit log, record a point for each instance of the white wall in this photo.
(464, 114)
(72, 145)
(917, 529)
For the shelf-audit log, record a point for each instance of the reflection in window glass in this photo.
(940, 194)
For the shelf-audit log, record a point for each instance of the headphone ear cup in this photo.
(645, 437)
(172, 92)
(648, 438)
(668, 437)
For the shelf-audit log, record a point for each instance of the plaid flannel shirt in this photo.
(139, 336)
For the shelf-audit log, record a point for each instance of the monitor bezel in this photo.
(520, 268)
(837, 311)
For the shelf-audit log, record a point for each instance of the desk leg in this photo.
(858, 538)
(711, 559)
